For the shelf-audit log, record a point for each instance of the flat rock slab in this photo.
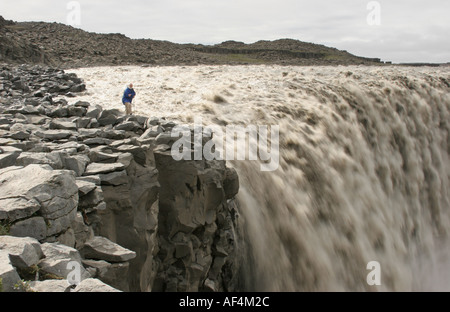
(85, 187)
(94, 285)
(54, 134)
(50, 286)
(101, 248)
(97, 168)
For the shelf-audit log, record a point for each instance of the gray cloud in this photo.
(410, 31)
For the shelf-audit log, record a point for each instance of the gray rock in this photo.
(114, 178)
(152, 132)
(50, 286)
(54, 134)
(94, 112)
(153, 121)
(8, 159)
(92, 199)
(16, 208)
(60, 251)
(128, 126)
(97, 141)
(8, 274)
(23, 252)
(37, 119)
(114, 134)
(76, 163)
(94, 285)
(138, 152)
(82, 104)
(96, 155)
(57, 261)
(53, 159)
(62, 125)
(85, 187)
(33, 227)
(20, 135)
(93, 179)
(101, 248)
(165, 139)
(59, 112)
(125, 159)
(231, 183)
(78, 88)
(89, 133)
(54, 190)
(97, 168)
(108, 117)
(83, 232)
(113, 274)
(67, 238)
(76, 111)
(82, 122)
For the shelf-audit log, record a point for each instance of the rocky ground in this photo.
(64, 46)
(90, 186)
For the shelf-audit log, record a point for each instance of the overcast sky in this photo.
(409, 30)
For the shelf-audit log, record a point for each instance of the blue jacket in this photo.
(128, 95)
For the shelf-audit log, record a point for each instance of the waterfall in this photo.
(363, 174)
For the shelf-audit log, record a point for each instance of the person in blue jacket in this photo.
(128, 97)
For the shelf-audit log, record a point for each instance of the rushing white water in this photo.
(364, 166)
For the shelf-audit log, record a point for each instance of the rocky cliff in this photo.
(89, 187)
(68, 47)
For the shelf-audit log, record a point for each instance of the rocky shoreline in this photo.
(90, 187)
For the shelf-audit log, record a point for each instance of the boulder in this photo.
(76, 163)
(101, 248)
(50, 286)
(107, 117)
(8, 159)
(23, 252)
(53, 159)
(8, 274)
(97, 168)
(58, 261)
(113, 274)
(54, 191)
(34, 227)
(91, 199)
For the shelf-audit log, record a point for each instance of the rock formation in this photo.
(64, 46)
(87, 187)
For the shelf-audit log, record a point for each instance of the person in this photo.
(128, 97)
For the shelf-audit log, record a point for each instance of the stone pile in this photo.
(88, 185)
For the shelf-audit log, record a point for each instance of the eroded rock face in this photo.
(99, 189)
(196, 224)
